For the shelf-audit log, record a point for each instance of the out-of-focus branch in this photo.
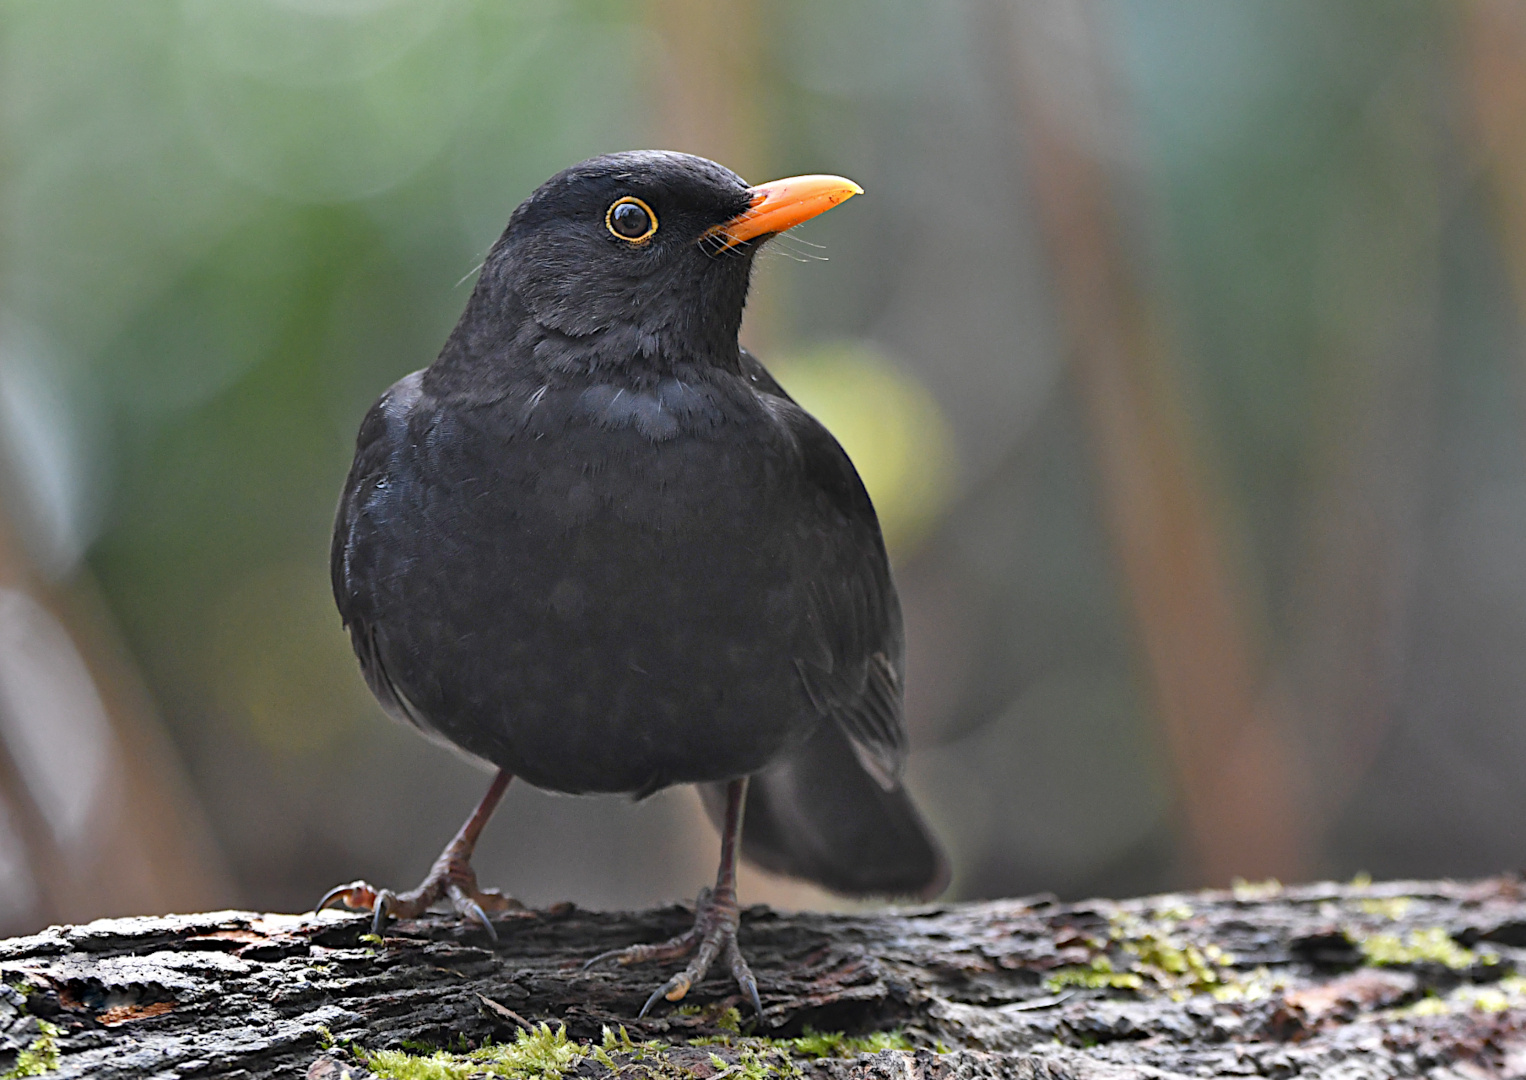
(89, 783)
(712, 95)
(1371, 462)
(710, 79)
(156, 852)
(1233, 762)
(1494, 67)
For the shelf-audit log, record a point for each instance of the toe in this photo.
(356, 896)
(468, 908)
(493, 901)
(671, 949)
(743, 975)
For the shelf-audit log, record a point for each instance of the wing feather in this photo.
(853, 662)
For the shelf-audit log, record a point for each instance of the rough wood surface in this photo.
(1398, 979)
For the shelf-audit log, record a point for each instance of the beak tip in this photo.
(783, 204)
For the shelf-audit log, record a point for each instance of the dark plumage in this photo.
(596, 545)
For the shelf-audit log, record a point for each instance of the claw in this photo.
(339, 895)
(603, 957)
(381, 908)
(666, 990)
(472, 910)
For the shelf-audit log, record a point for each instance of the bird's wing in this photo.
(854, 666)
(353, 555)
(384, 427)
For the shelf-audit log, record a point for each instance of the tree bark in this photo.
(1398, 979)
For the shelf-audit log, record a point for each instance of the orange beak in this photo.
(783, 204)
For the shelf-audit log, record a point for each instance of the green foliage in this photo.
(40, 1057)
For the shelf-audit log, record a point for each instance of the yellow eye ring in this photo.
(634, 226)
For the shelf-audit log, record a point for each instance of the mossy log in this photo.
(1357, 980)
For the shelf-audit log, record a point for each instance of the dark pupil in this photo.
(630, 220)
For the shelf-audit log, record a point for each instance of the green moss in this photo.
(1490, 1000)
(1431, 945)
(542, 1054)
(1098, 975)
(814, 1044)
(756, 1058)
(1258, 985)
(753, 1065)
(40, 1057)
(1176, 913)
(401, 1065)
(1186, 966)
(1144, 954)
(41, 1054)
(727, 1019)
(824, 1044)
(1429, 1006)
(1509, 993)
(1248, 891)
(1393, 908)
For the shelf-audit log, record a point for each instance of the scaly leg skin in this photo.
(450, 878)
(715, 925)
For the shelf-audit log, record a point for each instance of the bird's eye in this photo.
(631, 219)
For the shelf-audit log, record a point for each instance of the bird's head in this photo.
(640, 257)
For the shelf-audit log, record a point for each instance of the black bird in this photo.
(596, 545)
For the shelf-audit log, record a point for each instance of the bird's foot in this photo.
(451, 879)
(713, 934)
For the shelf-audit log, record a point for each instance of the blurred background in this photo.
(1180, 343)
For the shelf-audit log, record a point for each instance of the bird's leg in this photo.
(714, 932)
(450, 878)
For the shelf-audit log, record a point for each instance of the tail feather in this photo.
(818, 815)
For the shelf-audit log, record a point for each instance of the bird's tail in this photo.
(817, 815)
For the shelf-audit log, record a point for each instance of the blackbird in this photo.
(597, 546)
